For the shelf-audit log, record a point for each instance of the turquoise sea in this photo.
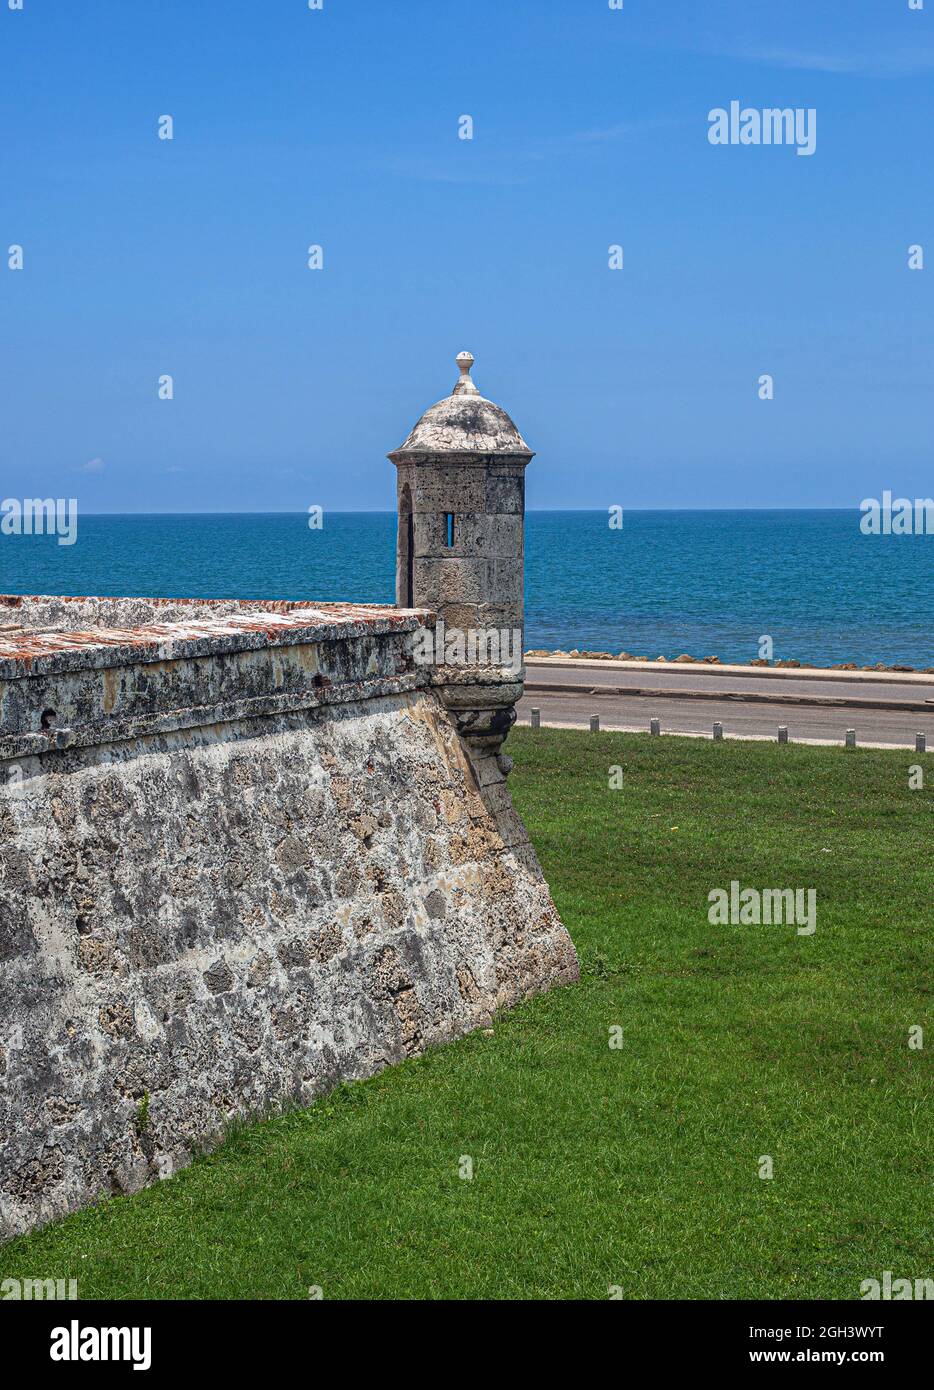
(705, 582)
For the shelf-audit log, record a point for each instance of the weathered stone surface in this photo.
(461, 499)
(226, 884)
(465, 424)
(66, 614)
(67, 689)
(250, 849)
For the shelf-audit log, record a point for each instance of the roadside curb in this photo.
(698, 668)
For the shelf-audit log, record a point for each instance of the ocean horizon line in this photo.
(703, 580)
(530, 511)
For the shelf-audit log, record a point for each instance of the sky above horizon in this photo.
(339, 127)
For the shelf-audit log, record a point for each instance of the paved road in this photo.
(804, 721)
(661, 678)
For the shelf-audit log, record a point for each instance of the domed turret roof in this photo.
(464, 423)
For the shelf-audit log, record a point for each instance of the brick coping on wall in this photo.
(256, 624)
(62, 688)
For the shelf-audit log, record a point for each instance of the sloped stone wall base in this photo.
(205, 923)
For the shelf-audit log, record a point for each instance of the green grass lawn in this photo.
(593, 1166)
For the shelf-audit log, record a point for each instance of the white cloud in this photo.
(895, 63)
(516, 164)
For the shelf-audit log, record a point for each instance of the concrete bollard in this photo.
(783, 733)
(536, 718)
(920, 743)
(595, 723)
(654, 726)
(851, 738)
(717, 731)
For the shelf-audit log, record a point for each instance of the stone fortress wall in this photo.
(247, 851)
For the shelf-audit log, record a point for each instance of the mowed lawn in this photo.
(635, 1167)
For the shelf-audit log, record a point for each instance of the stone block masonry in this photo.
(460, 485)
(251, 849)
(244, 854)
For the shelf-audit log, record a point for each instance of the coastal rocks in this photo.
(787, 663)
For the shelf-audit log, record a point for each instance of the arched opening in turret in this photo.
(405, 564)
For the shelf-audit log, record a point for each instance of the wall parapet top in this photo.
(98, 685)
(254, 625)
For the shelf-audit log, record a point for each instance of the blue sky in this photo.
(339, 127)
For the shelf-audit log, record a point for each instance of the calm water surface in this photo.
(668, 582)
